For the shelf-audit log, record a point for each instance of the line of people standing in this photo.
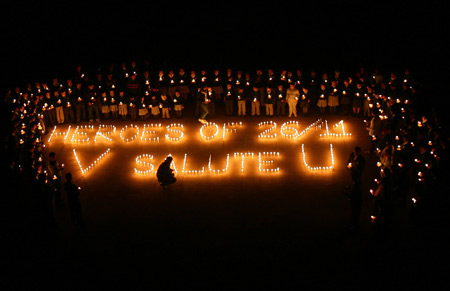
(130, 92)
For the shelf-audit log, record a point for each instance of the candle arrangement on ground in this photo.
(215, 163)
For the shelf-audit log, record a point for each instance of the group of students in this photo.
(409, 142)
(135, 93)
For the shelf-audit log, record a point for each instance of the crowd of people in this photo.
(409, 141)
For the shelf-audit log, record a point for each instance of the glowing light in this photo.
(264, 163)
(84, 170)
(191, 172)
(222, 171)
(318, 168)
(211, 135)
(268, 133)
(335, 135)
(81, 131)
(174, 132)
(55, 133)
(243, 156)
(125, 128)
(104, 134)
(289, 130)
(141, 163)
(147, 130)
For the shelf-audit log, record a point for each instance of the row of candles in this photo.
(92, 165)
(265, 164)
(208, 131)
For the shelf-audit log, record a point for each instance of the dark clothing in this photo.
(165, 174)
(74, 202)
(357, 167)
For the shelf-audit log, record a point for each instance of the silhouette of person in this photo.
(54, 170)
(356, 163)
(73, 198)
(165, 173)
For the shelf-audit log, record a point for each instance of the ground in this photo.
(236, 230)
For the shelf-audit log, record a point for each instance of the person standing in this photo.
(80, 103)
(241, 102)
(183, 84)
(178, 102)
(281, 100)
(229, 97)
(256, 102)
(217, 85)
(73, 199)
(202, 98)
(59, 107)
(68, 110)
(123, 107)
(93, 111)
(292, 95)
(333, 97)
(322, 100)
(165, 106)
(269, 100)
(358, 99)
(54, 171)
(356, 163)
(305, 100)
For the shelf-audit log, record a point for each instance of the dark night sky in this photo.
(46, 40)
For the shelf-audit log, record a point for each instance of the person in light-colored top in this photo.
(292, 95)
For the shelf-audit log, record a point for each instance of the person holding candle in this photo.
(73, 199)
(80, 104)
(49, 109)
(229, 97)
(358, 99)
(183, 84)
(241, 99)
(132, 103)
(356, 163)
(113, 107)
(305, 100)
(54, 172)
(256, 102)
(281, 100)
(258, 82)
(161, 82)
(142, 105)
(195, 87)
(92, 108)
(178, 103)
(292, 96)
(122, 104)
(323, 96)
(104, 101)
(59, 109)
(270, 79)
(202, 98)
(154, 105)
(68, 100)
(346, 93)
(269, 98)
(212, 104)
(172, 84)
(165, 106)
(217, 85)
(333, 97)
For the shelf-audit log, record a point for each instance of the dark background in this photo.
(46, 40)
(43, 40)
